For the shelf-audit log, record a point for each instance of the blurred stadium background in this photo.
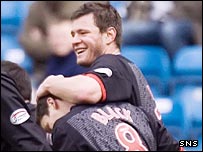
(176, 85)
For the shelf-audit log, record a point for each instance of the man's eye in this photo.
(72, 33)
(83, 32)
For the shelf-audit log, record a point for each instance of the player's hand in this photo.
(43, 89)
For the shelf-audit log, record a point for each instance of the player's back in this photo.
(123, 80)
(111, 127)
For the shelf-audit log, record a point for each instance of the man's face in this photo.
(87, 40)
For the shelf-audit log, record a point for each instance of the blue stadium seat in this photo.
(12, 51)
(10, 12)
(185, 87)
(173, 117)
(10, 15)
(13, 14)
(198, 148)
(190, 98)
(153, 62)
(188, 60)
(186, 67)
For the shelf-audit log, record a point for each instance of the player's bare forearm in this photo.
(76, 89)
(44, 87)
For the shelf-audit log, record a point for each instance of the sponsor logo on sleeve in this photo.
(106, 71)
(19, 116)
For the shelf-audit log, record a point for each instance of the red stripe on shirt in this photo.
(100, 83)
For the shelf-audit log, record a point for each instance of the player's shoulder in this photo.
(109, 56)
(109, 60)
(74, 111)
(6, 79)
(9, 89)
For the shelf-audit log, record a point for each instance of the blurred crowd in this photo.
(44, 33)
(170, 24)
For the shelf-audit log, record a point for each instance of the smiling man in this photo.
(96, 33)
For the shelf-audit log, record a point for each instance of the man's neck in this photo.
(113, 50)
(116, 52)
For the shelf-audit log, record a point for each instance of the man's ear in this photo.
(52, 103)
(110, 35)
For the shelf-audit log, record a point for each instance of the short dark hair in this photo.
(20, 77)
(42, 107)
(105, 16)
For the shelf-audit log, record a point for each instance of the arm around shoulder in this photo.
(76, 89)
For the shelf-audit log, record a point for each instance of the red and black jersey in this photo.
(117, 126)
(19, 132)
(120, 79)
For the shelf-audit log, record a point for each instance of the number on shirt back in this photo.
(129, 138)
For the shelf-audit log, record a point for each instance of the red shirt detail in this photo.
(100, 83)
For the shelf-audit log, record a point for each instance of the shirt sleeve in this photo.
(108, 72)
(18, 130)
